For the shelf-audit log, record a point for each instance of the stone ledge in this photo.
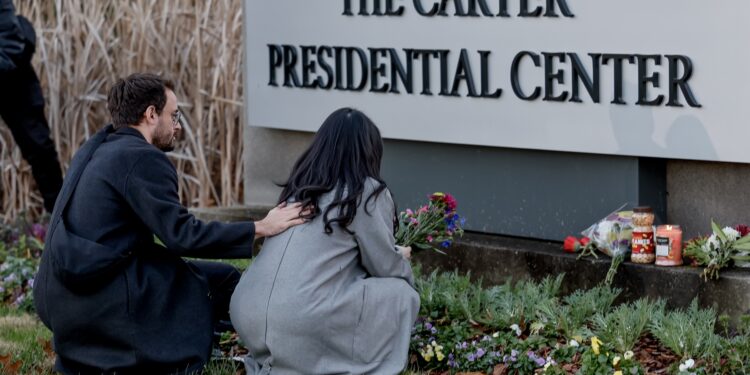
(495, 259)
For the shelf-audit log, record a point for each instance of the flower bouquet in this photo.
(610, 235)
(721, 248)
(432, 226)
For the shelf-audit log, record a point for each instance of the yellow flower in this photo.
(628, 354)
(616, 360)
(440, 356)
(618, 372)
(595, 342)
(427, 354)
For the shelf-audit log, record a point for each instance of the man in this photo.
(22, 103)
(115, 301)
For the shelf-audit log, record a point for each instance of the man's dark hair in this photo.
(130, 97)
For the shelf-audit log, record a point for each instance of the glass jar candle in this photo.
(668, 242)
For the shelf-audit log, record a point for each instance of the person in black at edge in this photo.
(22, 103)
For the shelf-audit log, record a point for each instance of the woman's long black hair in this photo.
(347, 149)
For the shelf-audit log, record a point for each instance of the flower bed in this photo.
(526, 328)
(21, 247)
(514, 328)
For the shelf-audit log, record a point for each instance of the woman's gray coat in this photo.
(313, 303)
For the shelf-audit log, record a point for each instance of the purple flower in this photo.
(514, 353)
(31, 283)
(464, 345)
(471, 357)
(433, 330)
(39, 231)
(480, 353)
(452, 361)
(428, 325)
(10, 278)
(540, 362)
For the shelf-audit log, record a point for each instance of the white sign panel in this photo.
(664, 78)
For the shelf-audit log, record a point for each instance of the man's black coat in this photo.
(114, 300)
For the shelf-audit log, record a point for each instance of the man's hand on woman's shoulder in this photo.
(279, 219)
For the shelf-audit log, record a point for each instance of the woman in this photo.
(334, 295)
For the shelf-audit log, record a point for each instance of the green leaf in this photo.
(743, 240)
(718, 232)
(159, 241)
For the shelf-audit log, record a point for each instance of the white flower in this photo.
(573, 343)
(742, 263)
(712, 243)
(496, 334)
(687, 365)
(516, 329)
(731, 233)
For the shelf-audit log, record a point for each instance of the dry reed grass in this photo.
(85, 45)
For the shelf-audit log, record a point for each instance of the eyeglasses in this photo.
(176, 117)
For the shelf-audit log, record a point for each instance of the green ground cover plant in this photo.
(518, 327)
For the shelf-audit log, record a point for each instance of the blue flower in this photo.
(445, 244)
(452, 361)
